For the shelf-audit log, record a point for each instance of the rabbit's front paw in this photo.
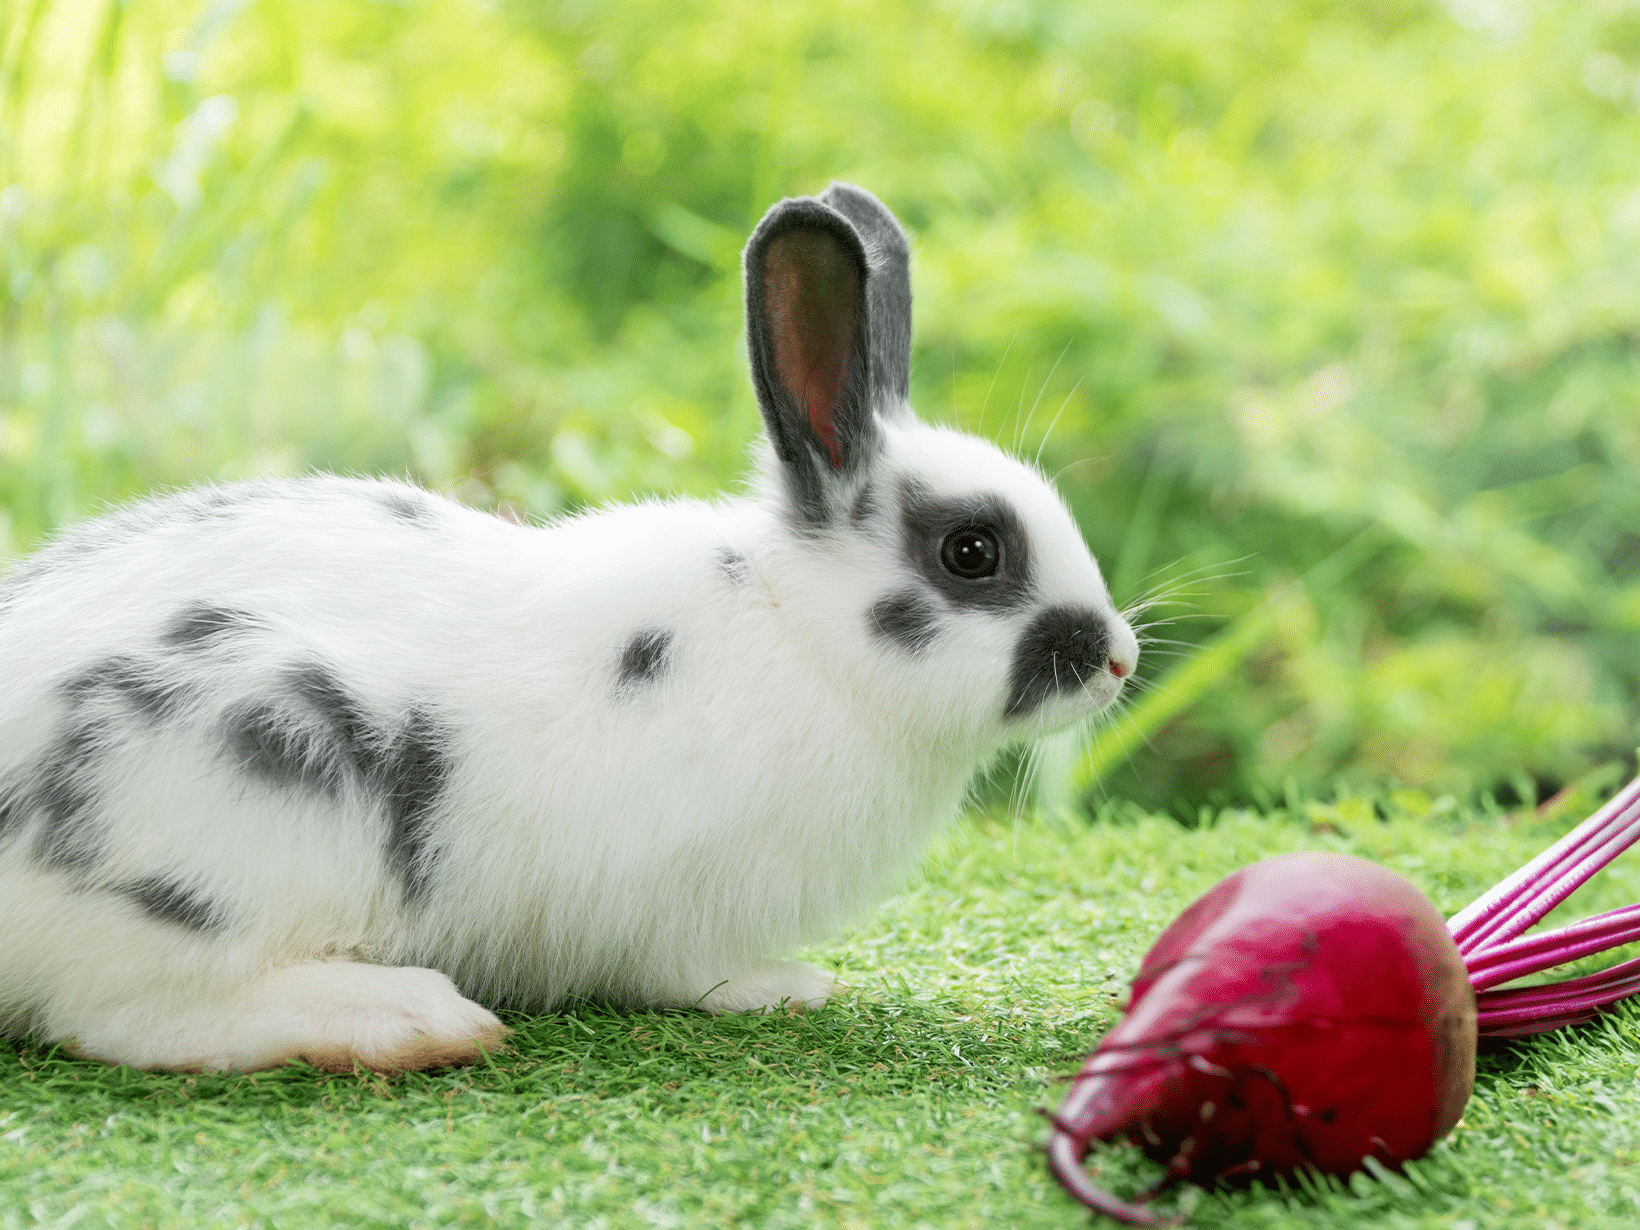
(793, 985)
(386, 1018)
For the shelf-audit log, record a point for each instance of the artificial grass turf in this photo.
(909, 1101)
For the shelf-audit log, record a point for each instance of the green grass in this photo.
(907, 1102)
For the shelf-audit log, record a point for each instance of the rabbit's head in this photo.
(932, 573)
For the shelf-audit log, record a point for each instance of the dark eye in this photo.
(970, 553)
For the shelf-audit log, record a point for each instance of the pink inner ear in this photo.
(812, 294)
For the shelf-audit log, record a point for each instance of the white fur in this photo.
(659, 845)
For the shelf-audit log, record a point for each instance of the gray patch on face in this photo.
(734, 565)
(198, 626)
(168, 901)
(1060, 650)
(316, 738)
(909, 620)
(644, 658)
(928, 520)
(407, 508)
(69, 838)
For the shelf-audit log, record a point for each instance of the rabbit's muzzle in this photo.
(1063, 649)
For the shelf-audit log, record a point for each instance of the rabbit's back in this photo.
(175, 602)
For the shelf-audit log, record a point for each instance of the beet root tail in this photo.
(1065, 1155)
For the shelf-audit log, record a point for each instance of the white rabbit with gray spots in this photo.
(316, 768)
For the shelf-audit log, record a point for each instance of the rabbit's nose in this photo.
(1061, 650)
(1123, 648)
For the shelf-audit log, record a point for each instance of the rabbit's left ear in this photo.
(889, 256)
(808, 331)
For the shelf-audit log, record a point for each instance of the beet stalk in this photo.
(1313, 1011)
(1487, 931)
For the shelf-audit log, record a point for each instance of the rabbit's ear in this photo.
(808, 329)
(889, 256)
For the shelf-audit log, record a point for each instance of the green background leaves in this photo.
(1279, 275)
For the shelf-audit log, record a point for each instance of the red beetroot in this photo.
(1313, 1010)
(1310, 1010)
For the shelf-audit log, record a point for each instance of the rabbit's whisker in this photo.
(1025, 430)
(1047, 435)
(980, 428)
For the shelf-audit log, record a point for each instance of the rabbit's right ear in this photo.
(808, 329)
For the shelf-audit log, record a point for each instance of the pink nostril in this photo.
(1119, 669)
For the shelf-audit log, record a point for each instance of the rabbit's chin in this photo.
(1069, 711)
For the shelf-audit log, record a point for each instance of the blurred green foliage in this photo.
(1336, 304)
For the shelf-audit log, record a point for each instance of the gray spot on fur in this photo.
(168, 901)
(735, 565)
(69, 838)
(413, 775)
(277, 747)
(407, 508)
(139, 684)
(22, 576)
(865, 505)
(208, 503)
(197, 626)
(644, 658)
(12, 809)
(64, 792)
(315, 737)
(908, 619)
(311, 737)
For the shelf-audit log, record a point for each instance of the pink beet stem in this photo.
(1489, 931)
(1530, 1010)
(1496, 965)
(1065, 1154)
(1589, 991)
(1537, 901)
(1512, 906)
(1537, 1025)
(1476, 914)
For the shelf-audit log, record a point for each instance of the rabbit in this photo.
(326, 768)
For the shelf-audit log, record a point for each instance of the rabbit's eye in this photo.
(971, 553)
